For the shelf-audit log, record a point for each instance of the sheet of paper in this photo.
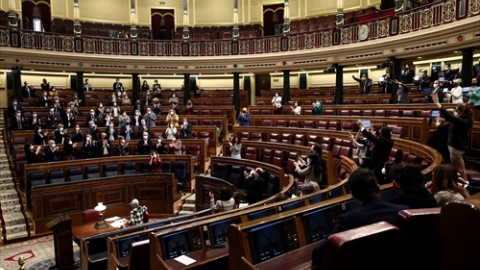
(185, 260)
(117, 224)
(240, 205)
(111, 219)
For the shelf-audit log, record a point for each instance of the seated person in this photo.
(366, 191)
(256, 187)
(136, 215)
(225, 203)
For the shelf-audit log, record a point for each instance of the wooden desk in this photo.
(88, 229)
(202, 257)
(299, 258)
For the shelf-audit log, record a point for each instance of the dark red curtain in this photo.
(269, 24)
(163, 30)
(44, 10)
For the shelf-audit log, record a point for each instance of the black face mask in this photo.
(455, 84)
(474, 84)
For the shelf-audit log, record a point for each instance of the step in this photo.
(185, 212)
(188, 207)
(11, 209)
(18, 235)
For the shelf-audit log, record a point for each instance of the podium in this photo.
(62, 234)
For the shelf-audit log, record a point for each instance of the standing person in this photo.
(296, 109)
(145, 86)
(68, 118)
(157, 88)
(145, 145)
(122, 147)
(160, 146)
(28, 90)
(51, 151)
(474, 94)
(137, 213)
(407, 75)
(402, 92)
(176, 145)
(172, 117)
(186, 129)
(365, 189)
(45, 85)
(117, 85)
(150, 117)
(317, 108)
(32, 153)
(456, 94)
(436, 90)
(364, 83)
(104, 146)
(460, 124)
(243, 118)
(189, 108)
(89, 148)
(256, 187)
(40, 138)
(277, 104)
(424, 80)
(408, 184)
(17, 122)
(171, 131)
(226, 202)
(87, 86)
(236, 148)
(155, 162)
(381, 151)
(43, 100)
(444, 185)
(77, 135)
(312, 170)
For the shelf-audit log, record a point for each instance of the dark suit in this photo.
(415, 199)
(117, 86)
(255, 190)
(78, 136)
(43, 101)
(186, 131)
(101, 150)
(371, 211)
(407, 76)
(28, 92)
(59, 137)
(365, 85)
(440, 93)
(50, 154)
(17, 123)
(89, 149)
(380, 154)
(476, 71)
(144, 149)
(52, 119)
(68, 120)
(12, 110)
(39, 139)
(90, 118)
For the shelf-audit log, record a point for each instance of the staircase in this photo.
(189, 206)
(13, 220)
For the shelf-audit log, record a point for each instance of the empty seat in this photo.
(275, 137)
(312, 139)
(236, 176)
(221, 171)
(328, 112)
(367, 113)
(166, 167)
(75, 174)
(267, 123)
(245, 136)
(256, 137)
(322, 125)
(37, 178)
(145, 167)
(347, 126)
(180, 170)
(110, 170)
(90, 215)
(272, 186)
(345, 112)
(408, 113)
(92, 172)
(333, 125)
(287, 138)
(309, 124)
(129, 168)
(281, 123)
(299, 139)
(251, 153)
(266, 112)
(267, 155)
(395, 113)
(56, 176)
(293, 123)
(380, 113)
(356, 112)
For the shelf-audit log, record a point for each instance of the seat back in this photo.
(92, 172)
(146, 216)
(75, 174)
(37, 178)
(56, 176)
(180, 170)
(251, 153)
(166, 167)
(129, 168)
(347, 249)
(140, 255)
(110, 170)
(236, 176)
(221, 171)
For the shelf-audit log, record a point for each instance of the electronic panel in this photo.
(219, 230)
(124, 245)
(180, 243)
(319, 223)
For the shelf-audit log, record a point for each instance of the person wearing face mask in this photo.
(149, 118)
(28, 90)
(111, 132)
(186, 129)
(176, 145)
(160, 146)
(115, 109)
(77, 135)
(104, 146)
(147, 99)
(145, 86)
(89, 148)
(50, 151)
(108, 118)
(402, 92)
(137, 118)
(17, 121)
(407, 75)
(138, 106)
(364, 83)
(474, 94)
(92, 116)
(460, 124)
(173, 100)
(112, 99)
(45, 85)
(40, 138)
(43, 100)
(12, 109)
(145, 145)
(93, 131)
(189, 108)
(87, 86)
(60, 134)
(236, 147)
(126, 100)
(31, 153)
(69, 148)
(157, 106)
(277, 104)
(53, 93)
(34, 121)
(117, 85)
(171, 131)
(243, 118)
(68, 118)
(172, 117)
(157, 88)
(143, 127)
(52, 119)
(122, 147)
(456, 94)
(122, 118)
(155, 162)
(437, 90)
(127, 130)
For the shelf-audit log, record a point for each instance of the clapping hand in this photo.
(359, 123)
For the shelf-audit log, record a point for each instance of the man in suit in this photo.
(117, 85)
(92, 117)
(104, 146)
(28, 90)
(145, 145)
(43, 100)
(68, 118)
(186, 129)
(89, 149)
(77, 135)
(364, 83)
(87, 86)
(381, 151)
(51, 151)
(12, 109)
(52, 119)
(366, 191)
(436, 90)
(256, 187)
(17, 121)
(150, 118)
(407, 75)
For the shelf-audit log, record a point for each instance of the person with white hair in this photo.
(243, 118)
(456, 94)
(136, 215)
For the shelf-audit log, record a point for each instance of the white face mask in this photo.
(70, 142)
(145, 137)
(154, 156)
(61, 129)
(34, 115)
(14, 103)
(88, 138)
(77, 129)
(54, 145)
(143, 123)
(435, 85)
(18, 114)
(39, 131)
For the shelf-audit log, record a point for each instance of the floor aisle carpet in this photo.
(39, 253)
